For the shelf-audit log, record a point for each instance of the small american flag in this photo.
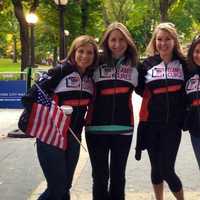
(48, 122)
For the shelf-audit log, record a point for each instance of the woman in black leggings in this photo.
(161, 84)
(162, 156)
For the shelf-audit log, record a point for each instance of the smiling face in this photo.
(164, 44)
(196, 55)
(84, 57)
(117, 43)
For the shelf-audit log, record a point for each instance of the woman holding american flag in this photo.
(69, 84)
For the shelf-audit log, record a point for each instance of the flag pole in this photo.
(72, 132)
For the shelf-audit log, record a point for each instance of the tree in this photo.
(116, 10)
(24, 36)
(164, 7)
(92, 17)
(84, 15)
(9, 29)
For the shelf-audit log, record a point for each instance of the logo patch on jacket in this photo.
(193, 84)
(159, 72)
(73, 81)
(106, 72)
(123, 72)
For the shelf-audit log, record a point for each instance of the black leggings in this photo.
(108, 156)
(162, 152)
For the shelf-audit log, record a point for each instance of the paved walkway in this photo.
(8, 120)
(138, 179)
(138, 173)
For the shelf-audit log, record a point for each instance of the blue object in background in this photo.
(11, 92)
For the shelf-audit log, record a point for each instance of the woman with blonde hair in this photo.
(69, 84)
(161, 84)
(110, 121)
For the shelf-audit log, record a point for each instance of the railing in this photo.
(13, 75)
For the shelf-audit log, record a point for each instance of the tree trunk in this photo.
(164, 7)
(84, 15)
(105, 15)
(55, 55)
(163, 10)
(24, 36)
(18, 9)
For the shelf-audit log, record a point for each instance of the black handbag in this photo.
(27, 100)
(23, 120)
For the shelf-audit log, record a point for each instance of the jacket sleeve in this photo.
(47, 82)
(141, 79)
(141, 142)
(188, 113)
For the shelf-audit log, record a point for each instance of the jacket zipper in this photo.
(167, 95)
(197, 96)
(79, 100)
(114, 85)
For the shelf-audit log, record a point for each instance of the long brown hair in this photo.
(131, 51)
(191, 64)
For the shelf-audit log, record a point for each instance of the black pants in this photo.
(58, 167)
(162, 149)
(105, 168)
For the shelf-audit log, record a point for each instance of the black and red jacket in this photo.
(192, 89)
(163, 98)
(68, 87)
(162, 88)
(112, 106)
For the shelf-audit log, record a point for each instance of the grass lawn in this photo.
(6, 65)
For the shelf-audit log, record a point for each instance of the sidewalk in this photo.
(9, 119)
(81, 189)
(138, 185)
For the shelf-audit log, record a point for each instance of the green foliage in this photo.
(47, 29)
(8, 29)
(193, 8)
(46, 32)
(95, 24)
(180, 16)
(118, 10)
(184, 14)
(140, 16)
(140, 23)
(72, 21)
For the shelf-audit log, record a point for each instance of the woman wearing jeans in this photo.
(71, 84)
(193, 93)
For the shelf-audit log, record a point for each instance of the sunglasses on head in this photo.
(197, 37)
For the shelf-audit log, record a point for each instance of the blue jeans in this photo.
(108, 156)
(58, 168)
(196, 147)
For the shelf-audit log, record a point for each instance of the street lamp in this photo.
(31, 19)
(61, 5)
(66, 33)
